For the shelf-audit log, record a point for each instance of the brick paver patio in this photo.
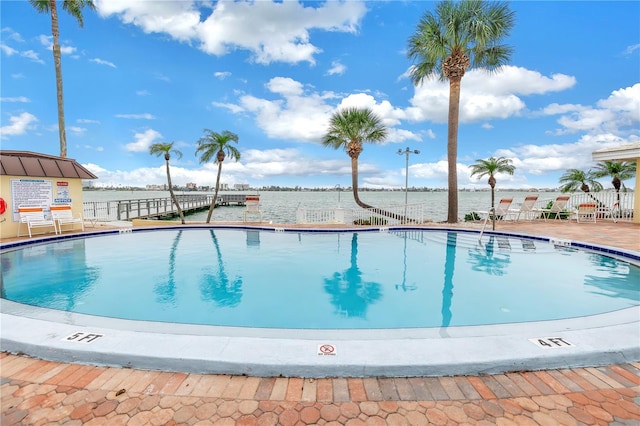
(38, 392)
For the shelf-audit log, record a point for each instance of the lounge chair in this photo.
(586, 212)
(63, 215)
(33, 217)
(500, 212)
(556, 209)
(526, 208)
(252, 203)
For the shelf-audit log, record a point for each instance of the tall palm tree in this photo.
(618, 170)
(459, 35)
(349, 128)
(217, 145)
(166, 149)
(490, 167)
(74, 8)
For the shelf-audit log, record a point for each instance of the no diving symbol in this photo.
(326, 349)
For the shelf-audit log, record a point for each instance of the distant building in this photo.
(241, 186)
(156, 187)
(192, 185)
(224, 186)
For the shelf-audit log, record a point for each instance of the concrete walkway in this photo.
(37, 392)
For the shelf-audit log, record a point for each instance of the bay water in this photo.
(281, 206)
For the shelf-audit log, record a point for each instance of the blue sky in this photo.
(142, 72)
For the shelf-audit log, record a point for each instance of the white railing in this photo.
(386, 215)
(608, 206)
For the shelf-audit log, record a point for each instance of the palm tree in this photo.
(74, 8)
(349, 128)
(166, 149)
(618, 170)
(454, 38)
(490, 167)
(218, 145)
(574, 179)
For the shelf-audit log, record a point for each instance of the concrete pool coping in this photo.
(603, 339)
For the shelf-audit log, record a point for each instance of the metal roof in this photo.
(25, 163)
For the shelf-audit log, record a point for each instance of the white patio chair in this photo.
(586, 212)
(252, 203)
(33, 217)
(526, 208)
(63, 215)
(501, 211)
(557, 208)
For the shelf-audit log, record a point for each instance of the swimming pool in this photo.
(258, 278)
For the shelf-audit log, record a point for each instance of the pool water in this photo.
(318, 280)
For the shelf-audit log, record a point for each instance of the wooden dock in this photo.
(155, 208)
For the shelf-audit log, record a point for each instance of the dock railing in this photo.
(143, 208)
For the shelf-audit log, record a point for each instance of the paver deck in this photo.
(37, 392)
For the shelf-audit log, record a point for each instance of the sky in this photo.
(143, 72)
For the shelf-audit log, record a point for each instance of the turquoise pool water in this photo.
(318, 280)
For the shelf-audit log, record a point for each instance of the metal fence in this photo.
(610, 205)
(386, 215)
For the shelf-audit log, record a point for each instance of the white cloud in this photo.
(87, 121)
(143, 93)
(144, 116)
(15, 99)
(337, 68)
(7, 50)
(542, 159)
(301, 114)
(103, 62)
(484, 96)
(47, 42)
(10, 34)
(221, 75)
(630, 49)
(19, 125)
(271, 31)
(76, 129)
(143, 141)
(615, 114)
(30, 54)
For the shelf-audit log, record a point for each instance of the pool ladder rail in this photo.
(484, 225)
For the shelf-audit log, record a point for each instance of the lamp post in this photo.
(406, 176)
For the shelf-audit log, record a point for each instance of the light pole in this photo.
(406, 176)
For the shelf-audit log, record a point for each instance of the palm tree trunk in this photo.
(215, 195)
(356, 197)
(58, 66)
(598, 202)
(452, 148)
(173, 196)
(617, 184)
(354, 184)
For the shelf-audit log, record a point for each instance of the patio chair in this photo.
(252, 203)
(556, 209)
(526, 208)
(501, 211)
(33, 217)
(63, 215)
(586, 212)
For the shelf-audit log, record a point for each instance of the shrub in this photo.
(469, 217)
(371, 221)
